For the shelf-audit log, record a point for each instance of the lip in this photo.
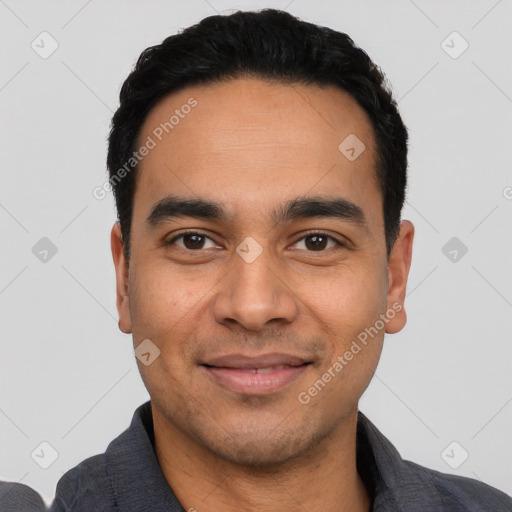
(261, 361)
(257, 375)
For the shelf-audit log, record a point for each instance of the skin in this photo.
(252, 146)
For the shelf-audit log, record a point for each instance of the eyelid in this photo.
(188, 232)
(321, 233)
(305, 235)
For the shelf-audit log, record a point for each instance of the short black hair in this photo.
(271, 45)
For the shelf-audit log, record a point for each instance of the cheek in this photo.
(349, 310)
(349, 301)
(164, 308)
(163, 301)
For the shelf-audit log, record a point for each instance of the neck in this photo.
(324, 479)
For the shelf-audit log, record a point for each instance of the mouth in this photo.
(256, 376)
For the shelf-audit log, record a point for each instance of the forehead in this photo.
(247, 142)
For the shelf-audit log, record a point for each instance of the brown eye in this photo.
(191, 241)
(319, 242)
(316, 242)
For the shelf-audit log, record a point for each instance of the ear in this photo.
(121, 267)
(398, 272)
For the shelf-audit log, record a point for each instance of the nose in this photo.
(254, 294)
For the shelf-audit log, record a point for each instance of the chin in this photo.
(263, 447)
(259, 455)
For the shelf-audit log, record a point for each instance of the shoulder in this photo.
(84, 487)
(402, 485)
(15, 497)
(458, 493)
(100, 482)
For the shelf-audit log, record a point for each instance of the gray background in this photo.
(68, 376)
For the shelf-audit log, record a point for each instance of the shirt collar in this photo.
(135, 475)
(138, 483)
(398, 486)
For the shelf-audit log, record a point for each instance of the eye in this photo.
(319, 242)
(191, 240)
(195, 241)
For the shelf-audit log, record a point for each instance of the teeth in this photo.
(269, 369)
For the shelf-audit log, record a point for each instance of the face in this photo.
(257, 294)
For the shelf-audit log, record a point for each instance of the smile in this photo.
(256, 376)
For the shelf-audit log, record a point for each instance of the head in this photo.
(259, 212)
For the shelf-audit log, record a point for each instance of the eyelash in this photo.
(308, 234)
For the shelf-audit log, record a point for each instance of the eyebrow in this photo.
(295, 209)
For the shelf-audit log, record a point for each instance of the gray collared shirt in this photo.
(127, 477)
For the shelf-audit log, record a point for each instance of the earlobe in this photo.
(398, 272)
(122, 328)
(121, 269)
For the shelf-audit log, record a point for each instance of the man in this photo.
(259, 169)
